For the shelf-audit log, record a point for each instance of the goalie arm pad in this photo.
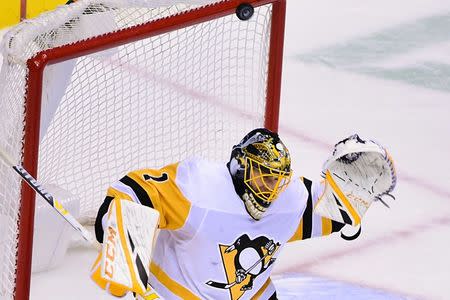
(311, 224)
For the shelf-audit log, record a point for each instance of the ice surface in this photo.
(376, 68)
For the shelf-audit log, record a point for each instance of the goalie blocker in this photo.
(358, 173)
(123, 264)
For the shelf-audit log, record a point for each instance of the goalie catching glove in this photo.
(358, 173)
(123, 264)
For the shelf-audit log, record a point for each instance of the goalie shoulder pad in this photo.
(357, 173)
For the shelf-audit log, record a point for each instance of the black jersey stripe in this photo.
(307, 215)
(336, 226)
(98, 220)
(131, 241)
(140, 192)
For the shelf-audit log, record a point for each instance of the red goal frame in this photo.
(37, 64)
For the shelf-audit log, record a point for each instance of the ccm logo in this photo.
(356, 198)
(110, 252)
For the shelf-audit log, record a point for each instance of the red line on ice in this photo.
(437, 190)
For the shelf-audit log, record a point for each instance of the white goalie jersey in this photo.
(208, 246)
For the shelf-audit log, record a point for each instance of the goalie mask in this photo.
(260, 167)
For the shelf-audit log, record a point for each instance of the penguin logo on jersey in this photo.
(243, 261)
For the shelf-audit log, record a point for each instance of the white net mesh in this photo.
(193, 91)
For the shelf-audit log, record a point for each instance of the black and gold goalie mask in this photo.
(260, 167)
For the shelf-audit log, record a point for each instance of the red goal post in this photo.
(195, 105)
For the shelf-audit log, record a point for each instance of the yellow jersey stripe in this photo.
(112, 192)
(344, 199)
(327, 226)
(171, 284)
(261, 290)
(298, 235)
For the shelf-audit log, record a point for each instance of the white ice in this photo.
(395, 90)
(402, 250)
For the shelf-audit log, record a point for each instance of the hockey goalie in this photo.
(222, 227)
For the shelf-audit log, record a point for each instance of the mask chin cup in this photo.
(255, 210)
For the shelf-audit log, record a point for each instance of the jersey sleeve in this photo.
(153, 188)
(312, 225)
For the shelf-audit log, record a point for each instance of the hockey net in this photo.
(97, 88)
